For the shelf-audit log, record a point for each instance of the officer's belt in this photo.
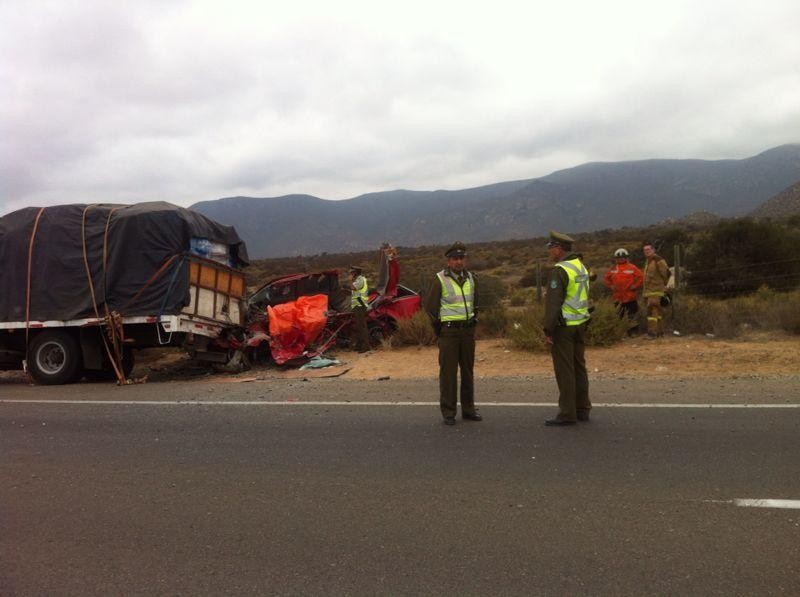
(458, 324)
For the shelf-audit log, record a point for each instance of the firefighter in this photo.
(565, 320)
(656, 276)
(358, 303)
(624, 280)
(451, 306)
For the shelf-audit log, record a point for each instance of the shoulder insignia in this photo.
(553, 283)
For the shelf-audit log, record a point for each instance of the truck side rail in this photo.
(170, 323)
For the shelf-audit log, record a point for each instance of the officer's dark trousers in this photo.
(360, 328)
(570, 368)
(456, 350)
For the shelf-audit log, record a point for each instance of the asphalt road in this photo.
(195, 499)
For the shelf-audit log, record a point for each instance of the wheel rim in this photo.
(51, 358)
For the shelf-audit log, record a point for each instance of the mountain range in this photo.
(588, 197)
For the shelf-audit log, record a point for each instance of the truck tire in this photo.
(54, 358)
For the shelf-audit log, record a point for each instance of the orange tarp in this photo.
(295, 325)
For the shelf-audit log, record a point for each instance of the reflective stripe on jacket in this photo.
(575, 308)
(358, 296)
(457, 303)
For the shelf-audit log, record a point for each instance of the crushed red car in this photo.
(296, 317)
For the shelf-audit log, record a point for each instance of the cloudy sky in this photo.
(190, 101)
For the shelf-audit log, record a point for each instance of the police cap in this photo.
(356, 268)
(457, 249)
(560, 239)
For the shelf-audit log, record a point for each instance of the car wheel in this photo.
(380, 330)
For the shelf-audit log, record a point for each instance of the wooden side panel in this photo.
(216, 292)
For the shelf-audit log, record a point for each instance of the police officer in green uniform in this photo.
(451, 306)
(358, 303)
(565, 320)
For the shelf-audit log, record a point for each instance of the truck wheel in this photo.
(54, 358)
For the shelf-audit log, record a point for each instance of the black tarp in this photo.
(141, 239)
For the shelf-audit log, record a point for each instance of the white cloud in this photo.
(187, 101)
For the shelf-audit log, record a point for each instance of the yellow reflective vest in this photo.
(457, 303)
(575, 308)
(359, 294)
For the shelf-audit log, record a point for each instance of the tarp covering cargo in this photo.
(125, 246)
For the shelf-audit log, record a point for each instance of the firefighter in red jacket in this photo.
(625, 280)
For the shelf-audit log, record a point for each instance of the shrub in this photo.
(477, 264)
(730, 260)
(530, 278)
(490, 291)
(519, 297)
(697, 315)
(414, 331)
(788, 314)
(525, 329)
(765, 309)
(492, 322)
(606, 327)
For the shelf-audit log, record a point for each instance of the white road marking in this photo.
(767, 503)
(375, 403)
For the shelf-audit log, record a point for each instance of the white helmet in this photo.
(620, 253)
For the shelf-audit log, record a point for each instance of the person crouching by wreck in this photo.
(450, 304)
(565, 319)
(358, 303)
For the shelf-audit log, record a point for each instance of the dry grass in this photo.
(414, 331)
(765, 309)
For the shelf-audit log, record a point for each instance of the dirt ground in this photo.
(672, 357)
(773, 354)
(763, 354)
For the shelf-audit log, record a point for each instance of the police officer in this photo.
(358, 303)
(565, 319)
(451, 306)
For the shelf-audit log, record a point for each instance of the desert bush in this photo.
(477, 264)
(729, 260)
(605, 328)
(414, 331)
(490, 290)
(788, 313)
(525, 329)
(764, 309)
(492, 322)
(530, 278)
(519, 297)
(697, 315)
(598, 291)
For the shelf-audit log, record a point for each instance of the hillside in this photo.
(508, 260)
(783, 205)
(588, 197)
